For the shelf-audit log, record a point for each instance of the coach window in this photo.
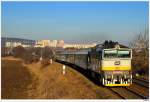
(89, 58)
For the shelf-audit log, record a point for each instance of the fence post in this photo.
(64, 69)
(51, 61)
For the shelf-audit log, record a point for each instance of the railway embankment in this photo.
(31, 81)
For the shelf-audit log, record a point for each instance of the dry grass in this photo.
(53, 84)
(33, 82)
(15, 79)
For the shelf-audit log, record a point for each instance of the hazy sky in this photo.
(74, 21)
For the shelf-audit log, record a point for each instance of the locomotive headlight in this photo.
(109, 76)
(127, 76)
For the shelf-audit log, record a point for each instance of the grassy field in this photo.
(15, 79)
(21, 81)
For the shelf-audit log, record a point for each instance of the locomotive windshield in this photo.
(117, 53)
(110, 53)
(124, 54)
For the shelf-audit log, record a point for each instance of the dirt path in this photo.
(47, 83)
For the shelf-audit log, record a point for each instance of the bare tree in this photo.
(140, 46)
(141, 41)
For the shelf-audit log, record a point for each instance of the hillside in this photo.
(21, 81)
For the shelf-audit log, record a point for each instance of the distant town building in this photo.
(53, 43)
(78, 46)
(44, 43)
(60, 43)
(14, 42)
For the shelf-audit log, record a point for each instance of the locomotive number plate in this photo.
(117, 71)
(117, 63)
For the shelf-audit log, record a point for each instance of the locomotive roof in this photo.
(109, 45)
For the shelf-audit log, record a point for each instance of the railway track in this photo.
(135, 91)
(144, 83)
(117, 93)
(138, 90)
(125, 93)
(141, 79)
(141, 94)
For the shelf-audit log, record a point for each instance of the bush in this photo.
(140, 62)
(45, 62)
(18, 51)
(28, 58)
(35, 58)
(47, 52)
(27, 55)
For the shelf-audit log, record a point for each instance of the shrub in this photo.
(45, 62)
(47, 52)
(18, 51)
(35, 58)
(27, 58)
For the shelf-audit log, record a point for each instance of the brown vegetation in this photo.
(30, 55)
(45, 62)
(33, 82)
(15, 79)
(140, 46)
(18, 51)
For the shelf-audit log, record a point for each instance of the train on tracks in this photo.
(109, 62)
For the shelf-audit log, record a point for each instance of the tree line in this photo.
(32, 55)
